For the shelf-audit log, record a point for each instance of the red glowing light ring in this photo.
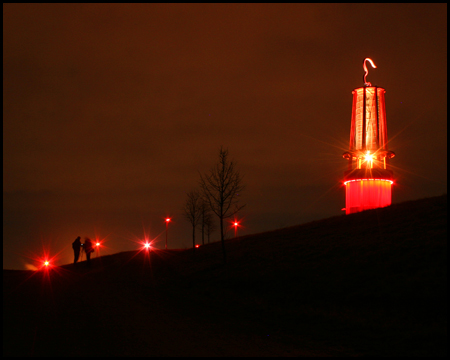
(345, 182)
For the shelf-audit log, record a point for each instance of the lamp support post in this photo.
(167, 227)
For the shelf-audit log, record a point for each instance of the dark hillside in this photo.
(372, 283)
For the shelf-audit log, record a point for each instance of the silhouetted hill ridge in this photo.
(372, 283)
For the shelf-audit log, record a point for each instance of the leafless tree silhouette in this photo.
(221, 188)
(192, 212)
(205, 216)
(210, 225)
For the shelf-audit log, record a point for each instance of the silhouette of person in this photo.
(76, 246)
(88, 248)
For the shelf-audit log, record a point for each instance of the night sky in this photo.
(111, 111)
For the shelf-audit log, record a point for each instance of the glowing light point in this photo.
(46, 263)
(97, 244)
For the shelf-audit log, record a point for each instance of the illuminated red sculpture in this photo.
(368, 179)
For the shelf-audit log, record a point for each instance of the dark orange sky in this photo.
(110, 111)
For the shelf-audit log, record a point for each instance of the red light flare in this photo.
(99, 242)
(236, 224)
(146, 245)
(145, 242)
(45, 262)
(44, 266)
(146, 250)
(143, 247)
(50, 274)
(97, 245)
(197, 246)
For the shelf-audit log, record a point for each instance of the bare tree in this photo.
(221, 188)
(210, 226)
(192, 212)
(206, 220)
(204, 214)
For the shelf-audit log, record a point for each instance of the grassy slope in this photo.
(372, 283)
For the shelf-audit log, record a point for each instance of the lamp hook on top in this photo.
(367, 71)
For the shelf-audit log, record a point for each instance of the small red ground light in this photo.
(197, 246)
(147, 246)
(97, 247)
(46, 265)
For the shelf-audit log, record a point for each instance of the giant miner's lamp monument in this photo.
(368, 179)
